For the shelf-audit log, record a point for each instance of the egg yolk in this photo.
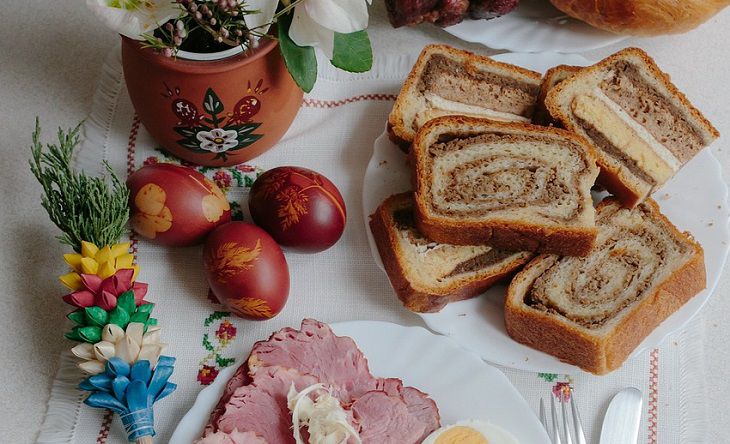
(461, 435)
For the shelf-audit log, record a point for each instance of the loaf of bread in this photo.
(447, 81)
(642, 17)
(427, 275)
(641, 127)
(552, 77)
(513, 186)
(594, 311)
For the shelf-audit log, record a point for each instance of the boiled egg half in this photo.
(470, 432)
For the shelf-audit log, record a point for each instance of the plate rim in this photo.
(222, 379)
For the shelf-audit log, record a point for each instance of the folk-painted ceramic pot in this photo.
(219, 109)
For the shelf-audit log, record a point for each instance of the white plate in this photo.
(534, 26)
(463, 386)
(695, 200)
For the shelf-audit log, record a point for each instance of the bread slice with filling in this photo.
(552, 77)
(594, 311)
(448, 81)
(513, 186)
(427, 275)
(642, 128)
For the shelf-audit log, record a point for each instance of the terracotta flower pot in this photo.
(212, 112)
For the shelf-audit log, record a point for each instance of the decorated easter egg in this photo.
(246, 270)
(174, 205)
(299, 207)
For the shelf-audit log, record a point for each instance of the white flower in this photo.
(131, 345)
(133, 18)
(316, 21)
(217, 140)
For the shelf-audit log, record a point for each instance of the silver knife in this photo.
(621, 424)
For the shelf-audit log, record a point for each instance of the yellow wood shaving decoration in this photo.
(230, 258)
(102, 262)
(257, 308)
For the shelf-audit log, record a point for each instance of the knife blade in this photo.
(621, 423)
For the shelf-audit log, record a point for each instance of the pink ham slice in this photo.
(385, 419)
(234, 437)
(315, 350)
(382, 409)
(419, 405)
(239, 379)
(261, 407)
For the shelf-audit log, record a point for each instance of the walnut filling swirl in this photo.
(631, 256)
(493, 173)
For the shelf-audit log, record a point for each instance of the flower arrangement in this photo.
(119, 343)
(335, 27)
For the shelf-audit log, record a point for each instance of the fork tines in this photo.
(558, 436)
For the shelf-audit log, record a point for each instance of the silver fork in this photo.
(554, 431)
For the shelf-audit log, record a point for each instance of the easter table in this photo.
(683, 380)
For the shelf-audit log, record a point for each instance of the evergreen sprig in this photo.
(82, 207)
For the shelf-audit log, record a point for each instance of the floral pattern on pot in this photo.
(212, 129)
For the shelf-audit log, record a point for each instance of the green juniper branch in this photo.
(82, 207)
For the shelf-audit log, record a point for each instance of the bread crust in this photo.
(508, 235)
(400, 131)
(610, 176)
(642, 17)
(578, 346)
(414, 297)
(552, 77)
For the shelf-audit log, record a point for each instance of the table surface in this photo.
(51, 54)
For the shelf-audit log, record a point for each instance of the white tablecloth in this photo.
(49, 67)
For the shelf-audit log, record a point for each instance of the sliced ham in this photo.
(317, 351)
(261, 406)
(254, 400)
(419, 405)
(235, 437)
(239, 379)
(385, 419)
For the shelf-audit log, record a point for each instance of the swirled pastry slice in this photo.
(552, 77)
(594, 311)
(446, 81)
(513, 186)
(427, 275)
(642, 128)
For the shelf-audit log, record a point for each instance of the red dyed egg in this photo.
(300, 208)
(246, 270)
(174, 205)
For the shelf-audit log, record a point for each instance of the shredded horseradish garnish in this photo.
(324, 417)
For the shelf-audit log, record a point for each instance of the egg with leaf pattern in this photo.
(174, 205)
(246, 270)
(300, 208)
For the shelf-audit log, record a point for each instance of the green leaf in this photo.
(300, 60)
(140, 317)
(119, 317)
(151, 322)
(206, 343)
(90, 334)
(223, 362)
(145, 308)
(77, 317)
(212, 103)
(126, 301)
(353, 52)
(74, 335)
(96, 316)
